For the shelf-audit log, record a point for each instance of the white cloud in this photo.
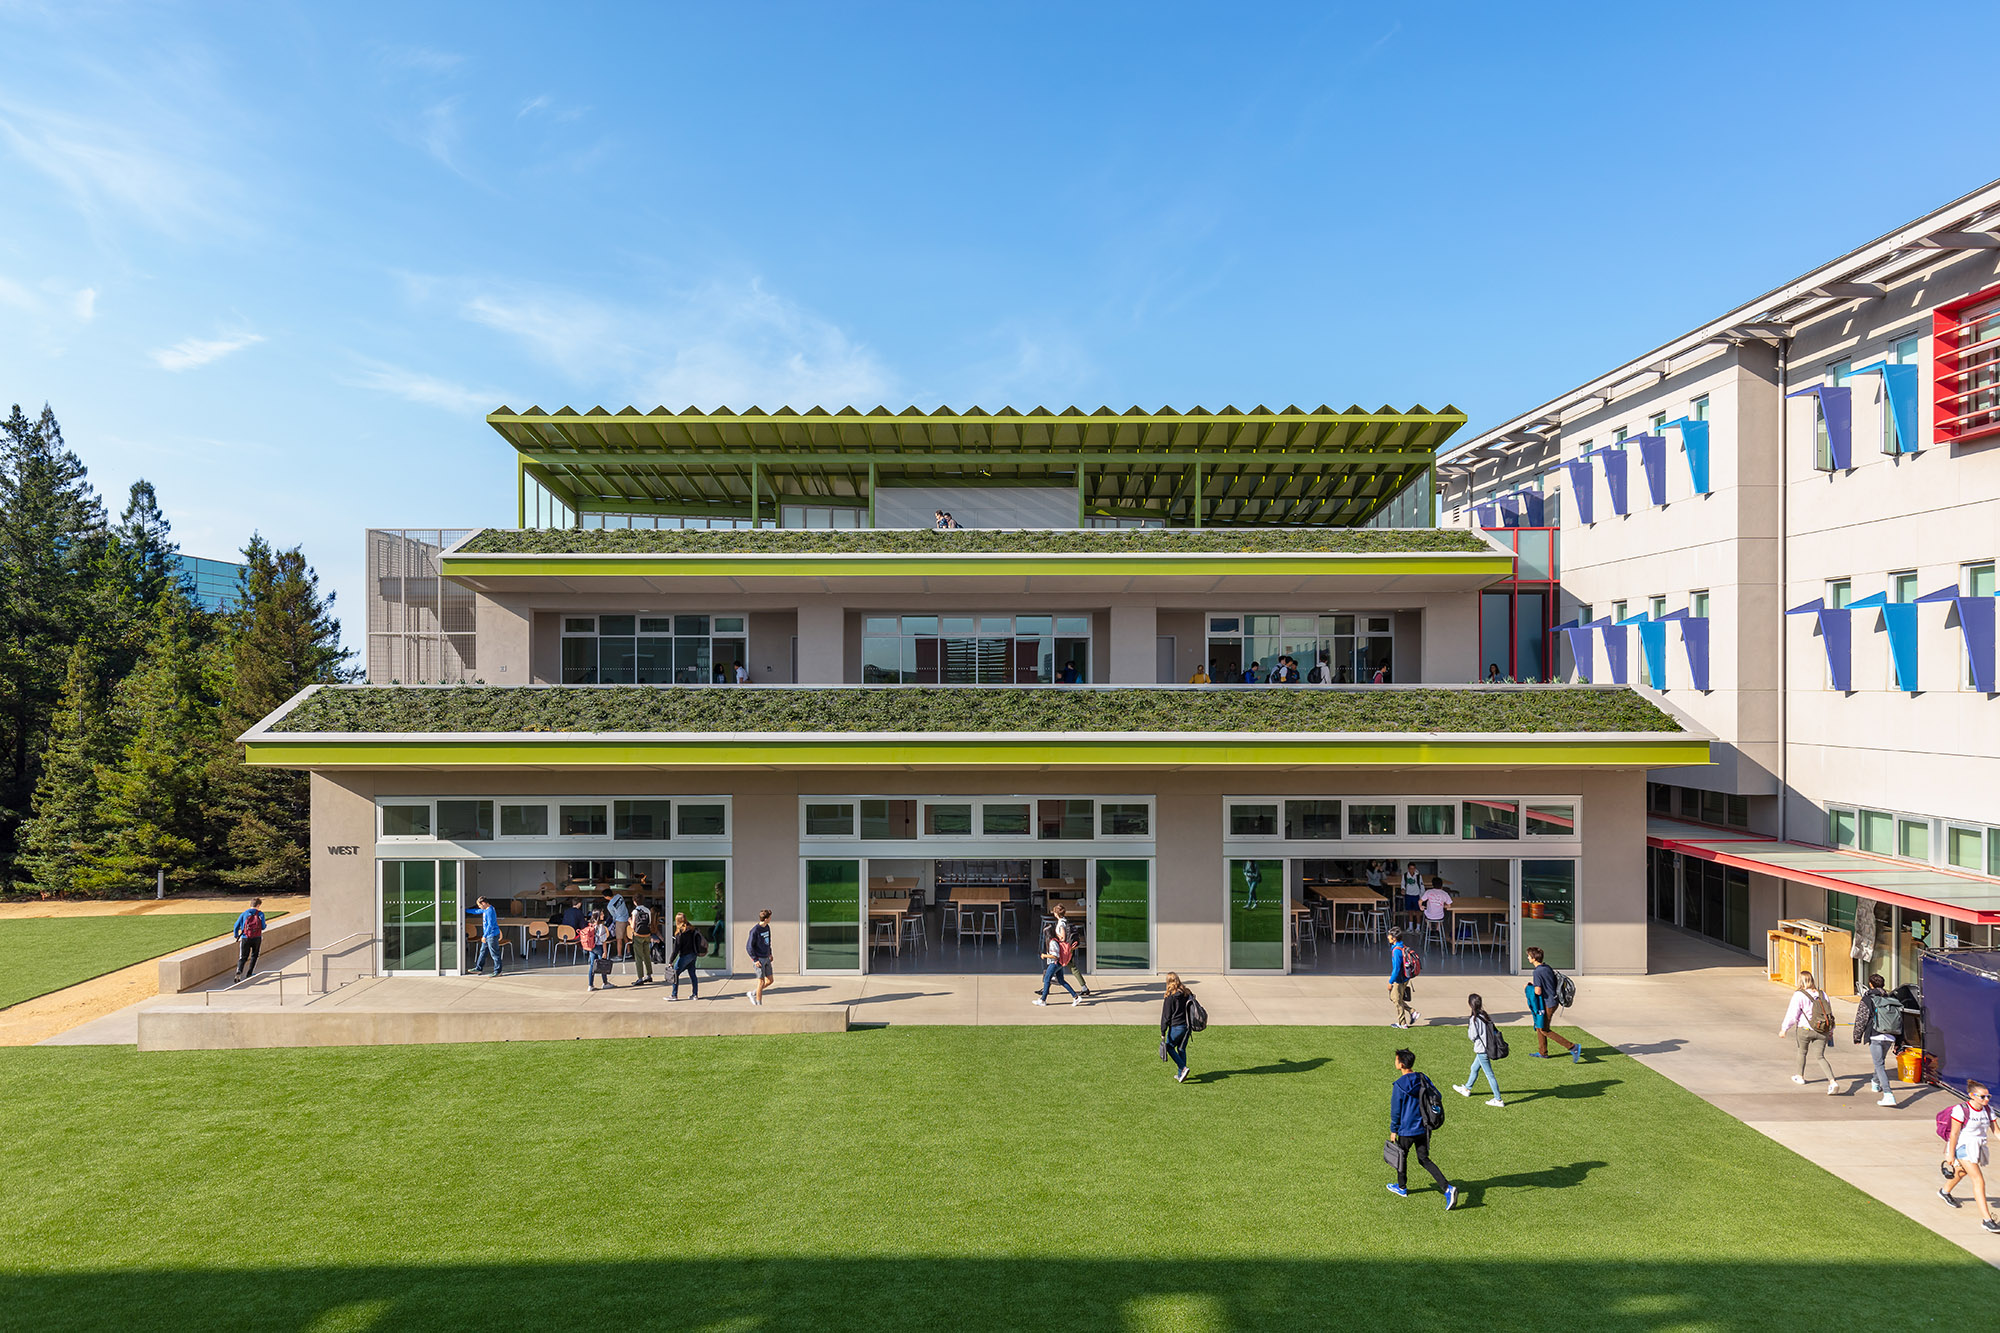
(85, 304)
(424, 59)
(189, 353)
(438, 133)
(533, 104)
(427, 390)
(732, 343)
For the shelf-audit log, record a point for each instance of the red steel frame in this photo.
(1945, 371)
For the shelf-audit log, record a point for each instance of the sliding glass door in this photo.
(1121, 917)
(833, 915)
(1256, 913)
(420, 917)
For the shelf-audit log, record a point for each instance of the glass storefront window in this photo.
(973, 650)
(700, 821)
(947, 821)
(1308, 821)
(1123, 917)
(406, 821)
(1066, 821)
(833, 916)
(640, 820)
(1253, 821)
(583, 821)
(1491, 821)
(888, 821)
(1548, 911)
(830, 821)
(465, 821)
(1257, 916)
(524, 821)
(653, 650)
(1004, 821)
(1551, 821)
(1125, 819)
(701, 893)
(1371, 821)
(1433, 821)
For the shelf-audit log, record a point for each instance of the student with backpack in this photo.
(1054, 954)
(1548, 991)
(1878, 1021)
(686, 946)
(1180, 1018)
(641, 922)
(1416, 1111)
(250, 940)
(1487, 1046)
(758, 946)
(1965, 1130)
(591, 937)
(1810, 1016)
(1405, 965)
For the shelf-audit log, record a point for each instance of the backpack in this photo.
(254, 928)
(1430, 1105)
(1320, 675)
(1197, 1016)
(642, 921)
(1820, 1017)
(1885, 1016)
(1496, 1045)
(1944, 1119)
(1065, 950)
(1565, 991)
(1413, 964)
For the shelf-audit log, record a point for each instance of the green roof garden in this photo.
(358, 726)
(1191, 468)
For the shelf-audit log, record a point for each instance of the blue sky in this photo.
(280, 260)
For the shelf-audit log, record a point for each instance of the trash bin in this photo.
(1910, 1065)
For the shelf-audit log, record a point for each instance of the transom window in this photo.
(975, 650)
(970, 818)
(653, 649)
(528, 818)
(1354, 646)
(1402, 819)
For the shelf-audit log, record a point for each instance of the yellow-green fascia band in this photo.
(970, 565)
(943, 751)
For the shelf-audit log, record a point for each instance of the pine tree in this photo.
(51, 536)
(67, 829)
(283, 638)
(143, 545)
(156, 802)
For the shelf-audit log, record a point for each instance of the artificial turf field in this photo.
(43, 954)
(916, 1178)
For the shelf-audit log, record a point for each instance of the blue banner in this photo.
(1962, 1016)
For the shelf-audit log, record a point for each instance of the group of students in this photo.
(1964, 1126)
(1284, 672)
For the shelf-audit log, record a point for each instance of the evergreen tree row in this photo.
(121, 697)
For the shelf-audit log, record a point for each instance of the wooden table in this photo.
(893, 908)
(1474, 907)
(995, 896)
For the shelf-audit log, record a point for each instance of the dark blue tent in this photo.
(1961, 989)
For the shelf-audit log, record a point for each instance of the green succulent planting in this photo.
(917, 709)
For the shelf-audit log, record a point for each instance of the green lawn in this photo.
(959, 1179)
(44, 954)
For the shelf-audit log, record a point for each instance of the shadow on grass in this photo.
(1568, 1092)
(769, 1294)
(1472, 1193)
(1282, 1067)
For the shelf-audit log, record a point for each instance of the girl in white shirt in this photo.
(1808, 1000)
(1971, 1125)
(1485, 1039)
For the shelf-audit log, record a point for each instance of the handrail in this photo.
(207, 996)
(324, 949)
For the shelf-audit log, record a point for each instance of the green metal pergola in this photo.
(1188, 469)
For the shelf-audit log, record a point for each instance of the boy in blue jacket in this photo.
(1406, 1126)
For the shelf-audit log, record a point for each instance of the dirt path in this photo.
(44, 1016)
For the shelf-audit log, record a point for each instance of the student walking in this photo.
(1181, 1016)
(1487, 1046)
(686, 946)
(758, 946)
(249, 938)
(1409, 1131)
(1878, 1021)
(1403, 968)
(619, 912)
(1544, 999)
(590, 937)
(1965, 1149)
(1810, 1016)
(1055, 954)
(642, 944)
(1066, 932)
(489, 936)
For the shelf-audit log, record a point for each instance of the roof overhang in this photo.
(1922, 888)
(1253, 574)
(1290, 467)
(1014, 750)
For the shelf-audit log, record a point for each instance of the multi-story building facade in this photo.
(725, 664)
(1786, 521)
(215, 585)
